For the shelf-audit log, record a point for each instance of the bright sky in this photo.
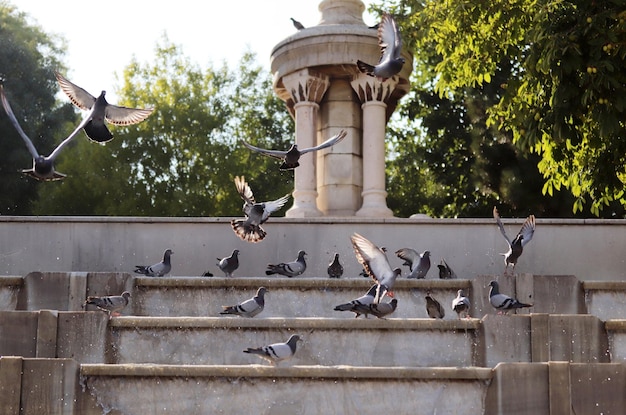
(103, 37)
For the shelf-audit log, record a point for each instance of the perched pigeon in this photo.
(461, 304)
(297, 24)
(503, 302)
(335, 269)
(290, 157)
(433, 307)
(276, 352)
(375, 262)
(250, 307)
(289, 269)
(390, 43)
(445, 272)
(249, 229)
(229, 264)
(419, 264)
(100, 110)
(159, 269)
(379, 310)
(516, 246)
(364, 300)
(43, 167)
(112, 304)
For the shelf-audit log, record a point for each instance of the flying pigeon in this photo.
(419, 264)
(390, 43)
(335, 269)
(375, 262)
(112, 304)
(290, 157)
(445, 272)
(159, 269)
(364, 300)
(516, 246)
(249, 229)
(100, 110)
(43, 167)
(276, 352)
(433, 307)
(461, 304)
(379, 310)
(289, 269)
(297, 24)
(229, 264)
(250, 307)
(503, 302)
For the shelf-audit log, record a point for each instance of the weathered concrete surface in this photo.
(606, 299)
(9, 291)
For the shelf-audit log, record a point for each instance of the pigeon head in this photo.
(461, 293)
(397, 271)
(126, 295)
(236, 252)
(494, 287)
(42, 166)
(261, 291)
(301, 254)
(426, 254)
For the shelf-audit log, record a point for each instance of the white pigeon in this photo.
(43, 167)
(434, 309)
(419, 264)
(516, 246)
(229, 264)
(364, 300)
(112, 304)
(380, 310)
(375, 262)
(249, 229)
(390, 43)
(289, 269)
(290, 157)
(248, 308)
(461, 304)
(502, 302)
(100, 110)
(159, 269)
(276, 352)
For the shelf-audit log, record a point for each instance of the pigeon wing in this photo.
(278, 154)
(371, 257)
(528, 230)
(411, 256)
(79, 97)
(328, 143)
(388, 38)
(9, 111)
(273, 206)
(496, 216)
(126, 116)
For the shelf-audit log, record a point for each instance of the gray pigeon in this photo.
(433, 307)
(445, 272)
(100, 110)
(419, 264)
(364, 300)
(502, 302)
(229, 264)
(461, 304)
(249, 229)
(112, 304)
(250, 307)
(291, 157)
(375, 262)
(380, 310)
(516, 246)
(297, 24)
(159, 269)
(43, 167)
(289, 269)
(276, 352)
(335, 269)
(390, 43)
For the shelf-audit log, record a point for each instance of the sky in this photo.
(102, 38)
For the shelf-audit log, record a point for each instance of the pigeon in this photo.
(335, 269)
(290, 157)
(445, 272)
(229, 264)
(516, 246)
(503, 302)
(375, 262)
(297, 24)
(289, 269)
(248, 308)
(43, 167)
(419, 264)
(207, 274)
(159, 269)
(100, 110)
(112, 304)
(461, 304)
(364, 300)
(249, 229)
(276, 352)
(379, 310)
(390, 43)
(433, 307)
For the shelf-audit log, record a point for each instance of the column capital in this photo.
(304, 85)
(369, 88)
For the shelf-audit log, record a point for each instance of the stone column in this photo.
(373, 95)
(306, 88)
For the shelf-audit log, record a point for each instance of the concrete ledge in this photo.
(605, 299)
(10, 281)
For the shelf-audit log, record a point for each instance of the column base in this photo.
(304, 205)
(375, 205)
